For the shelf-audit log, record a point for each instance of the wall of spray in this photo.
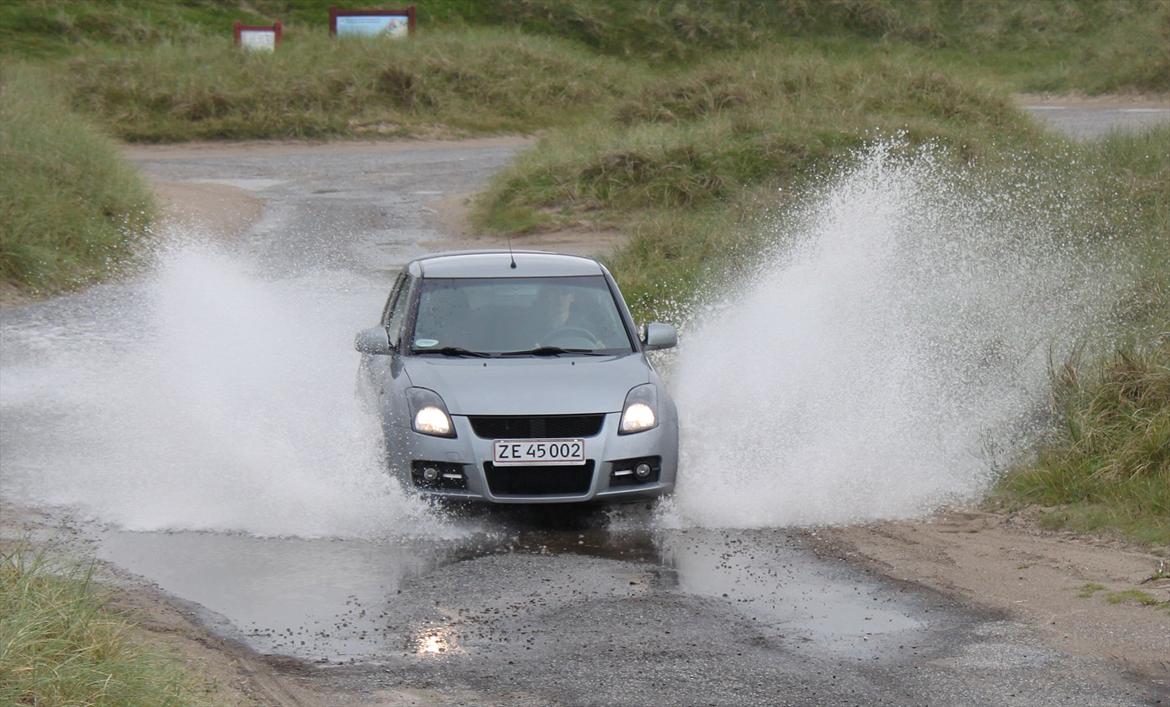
(893, 353)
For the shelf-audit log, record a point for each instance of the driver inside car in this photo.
(567, 323)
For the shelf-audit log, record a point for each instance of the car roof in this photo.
(498, 263)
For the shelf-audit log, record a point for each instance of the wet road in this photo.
(602, 608)
(1089, 119)
(508, 606)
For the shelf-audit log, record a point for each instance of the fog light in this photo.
(430, 473)
(642, 471)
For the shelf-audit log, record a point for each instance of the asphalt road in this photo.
(507, 606)
(1090, 119)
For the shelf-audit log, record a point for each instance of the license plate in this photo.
(539, 452)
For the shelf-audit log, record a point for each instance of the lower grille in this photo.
(538, 480)
(555, 426)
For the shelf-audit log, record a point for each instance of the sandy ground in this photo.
(262, 148)
(1060, 583)
(212, 208)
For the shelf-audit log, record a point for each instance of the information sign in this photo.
(262, 38)
(371, 23)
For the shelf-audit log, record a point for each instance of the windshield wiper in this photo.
(452, 351)
(553, 351)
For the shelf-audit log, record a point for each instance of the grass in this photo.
(1107, 466)
(1135, 596)
(1041, 45)
(458, 83)
(70, 208)
(1125, 596)
(1088, 590)
(60, 646)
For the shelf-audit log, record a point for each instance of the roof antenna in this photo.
(512, 257)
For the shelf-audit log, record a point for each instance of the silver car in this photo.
(519, 378)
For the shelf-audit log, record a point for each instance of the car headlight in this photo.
(428, 413)
(640, 413)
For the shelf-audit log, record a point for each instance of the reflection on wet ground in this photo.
(334, 600)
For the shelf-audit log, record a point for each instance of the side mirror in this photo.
(373, 341)
(660, 336)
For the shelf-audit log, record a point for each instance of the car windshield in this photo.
(518, 316)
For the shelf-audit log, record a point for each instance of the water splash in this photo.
(204, 397)
(891, 355)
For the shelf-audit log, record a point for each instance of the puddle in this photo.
(249, 184)
(505, 588)
(769, 576)
(313, 599)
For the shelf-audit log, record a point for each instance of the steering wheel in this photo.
(565, 334)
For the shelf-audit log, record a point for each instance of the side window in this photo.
(396, 309)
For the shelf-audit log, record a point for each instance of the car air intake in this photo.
(538, 480)
(552, 426)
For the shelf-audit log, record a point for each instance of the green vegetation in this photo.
(1043, 45)
(680, 163)
(69, 207)
(1108, 465)
(1136, 596)
(1089, 589)
(466, 81)
(157, 70)
(1125, 596)
(59, 646)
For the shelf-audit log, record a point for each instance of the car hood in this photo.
(566, 385)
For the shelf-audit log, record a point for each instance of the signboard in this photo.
(262, 38)
(371, 23)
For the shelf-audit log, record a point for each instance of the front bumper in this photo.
(468, 453)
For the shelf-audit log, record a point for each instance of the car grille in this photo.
(501, 427)
(538, 480)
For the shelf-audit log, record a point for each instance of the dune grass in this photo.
(1106, 466)
(462, 82)
(70, 208)
(1041, 45)
(59, 645)
(680, 162)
